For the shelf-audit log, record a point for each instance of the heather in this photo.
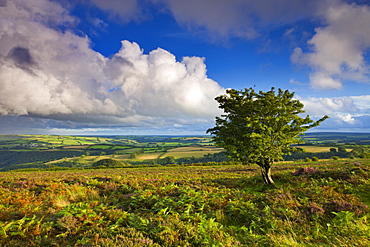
(315, 204)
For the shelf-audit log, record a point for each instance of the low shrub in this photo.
(306, 171)
(315, 158)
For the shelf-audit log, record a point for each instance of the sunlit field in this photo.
(192, 151)
(316, 149)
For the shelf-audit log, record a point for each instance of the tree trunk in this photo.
(266, 175)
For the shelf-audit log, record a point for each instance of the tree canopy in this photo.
(107, 163)
(258, 128)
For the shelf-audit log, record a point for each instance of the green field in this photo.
(22, 151)
(101, 147)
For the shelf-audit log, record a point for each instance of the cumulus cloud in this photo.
(50, 72)
(338, 49)
(42, 70)
(157, 84)
(335, 53)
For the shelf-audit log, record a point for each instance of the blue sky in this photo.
(155, 66)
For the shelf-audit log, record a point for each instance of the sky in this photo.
(154, 67)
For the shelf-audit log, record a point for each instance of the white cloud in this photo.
(362, 103)
(295, 82)
(55, 74)
(347, 118)
(328, 106)
(338, 49)
(158, 85)
(48, 74)
(344, 112)
(335, 54)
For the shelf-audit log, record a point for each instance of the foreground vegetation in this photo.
(315, 204)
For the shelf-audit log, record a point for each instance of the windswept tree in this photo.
(258, 128)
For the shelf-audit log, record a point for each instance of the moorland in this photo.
(69, 200)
